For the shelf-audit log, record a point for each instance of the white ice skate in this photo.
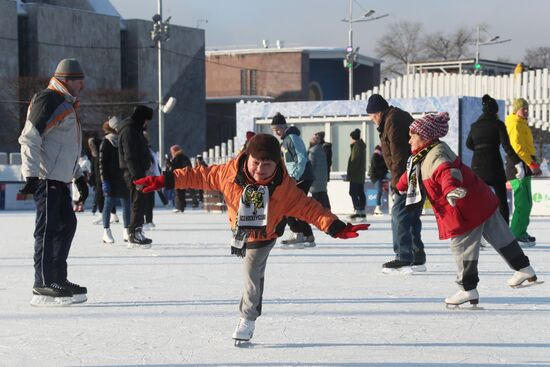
(462, 297)
(114, 218)
(378, 211)
(244, 331)
(294, 241)
(108, 236)
(97, 221)
(125, 235)
(522, 275)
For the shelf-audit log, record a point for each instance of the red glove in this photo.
(350, 231)
(535, 168)
(149, 183)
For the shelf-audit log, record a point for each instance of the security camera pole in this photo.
(159, 34)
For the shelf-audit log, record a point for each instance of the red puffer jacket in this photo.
(442, 171)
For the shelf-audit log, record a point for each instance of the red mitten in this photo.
(150, 183)
(350, 231)
(535, 168)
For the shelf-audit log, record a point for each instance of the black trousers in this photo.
(138, 202)
(500, 191)
(357, 193)
(322, 197)
(54, 231)
(296, 225)
(149, 205)
(180, 200)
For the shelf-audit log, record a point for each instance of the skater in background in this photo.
(393, 125)
(112, 180)
(357, 165)
(198, 195)
(154, 170)
(134, 159)
(377, 174)
(465, 207)
(299, 168)
(178, 160)
(94, 179)
(85, 167)
(259, 194)
(318, 159)
(486, 136)
(51, 142)
(519, 174)
(327, 147)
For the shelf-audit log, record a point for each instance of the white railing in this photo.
(220, 153)
(533, 85)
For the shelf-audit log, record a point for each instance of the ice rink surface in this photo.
(177, 303)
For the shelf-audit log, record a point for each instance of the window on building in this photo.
(315, 92)
(244, 82)
(253, 78)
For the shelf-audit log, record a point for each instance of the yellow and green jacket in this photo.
(521, 140)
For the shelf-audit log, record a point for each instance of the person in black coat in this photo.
(112, 180)
(134, 160)
(327, 147)
(377, 173)
(179, 160)
(486, 136)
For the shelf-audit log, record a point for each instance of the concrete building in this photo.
(279, 74)
(118, 58)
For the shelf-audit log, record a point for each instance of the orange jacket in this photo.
(285, 200)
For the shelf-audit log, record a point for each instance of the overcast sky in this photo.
(244, 23)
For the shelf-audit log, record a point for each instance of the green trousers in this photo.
(523, 202)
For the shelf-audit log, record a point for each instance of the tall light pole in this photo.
(493, 41)
(351, 54)
(160, 34)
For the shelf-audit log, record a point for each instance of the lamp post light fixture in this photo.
(351, 53)
(493, 41)
(160, 34)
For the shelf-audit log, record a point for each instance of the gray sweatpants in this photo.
(254, 270)
(465, 249)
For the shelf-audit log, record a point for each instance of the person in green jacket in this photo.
(357, 164)
(519, 175)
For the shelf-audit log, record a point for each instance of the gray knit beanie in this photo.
(115, 123)
(69, 69)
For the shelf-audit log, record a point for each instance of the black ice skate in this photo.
(79, 293)
(397, 267)
(138, 239)
(51, 296)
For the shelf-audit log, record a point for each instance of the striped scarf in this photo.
(414, 193)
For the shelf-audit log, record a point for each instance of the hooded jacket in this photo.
(295, 155)
(133, 150)
(521, 140)
(318, 159)
(285, 198)
(357, 162)
(51, 140)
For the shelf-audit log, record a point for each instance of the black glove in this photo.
(240, 252)
(30, 187)
(82, 188)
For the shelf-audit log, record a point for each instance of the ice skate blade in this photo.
(242, 343)
(461, 307)
(80, 298)
(47, 301)
(528, 284)
(419, 268)
(404, 270)
(293, 246)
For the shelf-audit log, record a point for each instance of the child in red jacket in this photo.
(465, 208)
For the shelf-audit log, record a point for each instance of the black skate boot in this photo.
(397, 267)
(79, 293)
(138, 239)
(51, 295)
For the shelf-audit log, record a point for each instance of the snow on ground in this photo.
(177, 303)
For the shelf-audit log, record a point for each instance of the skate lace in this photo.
(56, 286)
(71, 283)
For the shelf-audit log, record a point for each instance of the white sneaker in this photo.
(244, 329)
(520, 276)
(108, 236)
(125, 235)
(378, 210)
(114, 218)
(462, 296)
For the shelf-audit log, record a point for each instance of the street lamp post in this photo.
(493, 41)
(160, 34)
(351, 54)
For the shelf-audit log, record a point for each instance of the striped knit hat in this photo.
(69, 69)
(432, 126)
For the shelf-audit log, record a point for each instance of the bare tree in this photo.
(448, 46)
(537, 57)
(399, 46)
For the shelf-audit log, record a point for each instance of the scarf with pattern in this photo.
(251, 215)
(414, 193)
